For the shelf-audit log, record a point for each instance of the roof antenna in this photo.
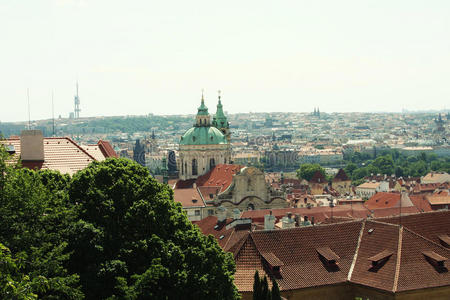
(53, 115)
(29, 115)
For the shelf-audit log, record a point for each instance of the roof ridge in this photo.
(383, 223)
(399, 259)
(427, 240)
(352, 266)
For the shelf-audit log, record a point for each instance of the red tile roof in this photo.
(420, 202)
(189, 198)
(107, 149)
(230, 236)
(318, 178)
(429, 225)
(341, 176)
(61, 154)
(399, 263)
(383, 200)
(220, 176)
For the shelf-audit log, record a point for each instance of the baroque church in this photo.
(206, 144)
(209, 183)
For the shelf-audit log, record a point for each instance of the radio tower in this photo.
(77, 105)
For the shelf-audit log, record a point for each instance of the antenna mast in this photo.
(29, 114)
(53, 115)
(77, 105)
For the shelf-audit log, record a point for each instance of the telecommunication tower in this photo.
(77, 105)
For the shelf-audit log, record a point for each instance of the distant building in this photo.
(139, 153)
(341, 183)
(368, 189)
(204, 146)
(318, 183)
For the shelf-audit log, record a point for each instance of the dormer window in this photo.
(445, 240)
(273, 262)
(435, 259)
(328, 257)
(379, 259)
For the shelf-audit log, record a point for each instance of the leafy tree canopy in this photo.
(134, 239)
(307, 171)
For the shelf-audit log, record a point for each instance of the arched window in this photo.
(194, 167)
(182, 168)
(250, 207)
(212, 163)
(185, 167)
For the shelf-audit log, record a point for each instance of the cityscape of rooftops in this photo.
(239, 150)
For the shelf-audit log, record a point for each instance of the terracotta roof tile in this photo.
(318, 178)
(61, 154)
(189, 198)
(221, 175)
(383, 200)
(371, 253)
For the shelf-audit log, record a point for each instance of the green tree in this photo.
(385, 164)
(35, 215)
(350, 168)
(265, 290)
(13, 283)
(275, 291)
(306, 171)
(256, 286)
(135, 240)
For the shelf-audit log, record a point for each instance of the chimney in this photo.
(221, 214)
(31, 145)
(269, 222)
(236, 214)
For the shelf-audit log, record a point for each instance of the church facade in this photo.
(205, 145)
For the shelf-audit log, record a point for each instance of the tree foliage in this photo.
(261, 289)
(35, 214)
(109, 232)
(306, 171)
(133, 238)
(391, 161)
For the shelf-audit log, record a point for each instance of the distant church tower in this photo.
(139, 153)
(77, 105)
(220, 121)
(439, 124)
(203, 146)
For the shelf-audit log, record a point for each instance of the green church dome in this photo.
(203, 136)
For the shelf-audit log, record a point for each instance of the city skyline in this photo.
(156, 57)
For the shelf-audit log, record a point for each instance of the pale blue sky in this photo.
(139, 57)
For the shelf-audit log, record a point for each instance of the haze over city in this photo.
(155, 57)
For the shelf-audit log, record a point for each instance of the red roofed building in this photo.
(341, 183)
(55, 153)
(363, 259)
(318, 183)
(388, 200)
(231, 187)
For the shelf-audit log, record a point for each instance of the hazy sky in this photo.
(139, 57)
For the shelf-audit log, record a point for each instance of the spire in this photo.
(202, 110)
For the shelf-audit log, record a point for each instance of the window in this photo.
(197, 212)
(212, 163)
(194, 167)
(210, 212)
(182, 168)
